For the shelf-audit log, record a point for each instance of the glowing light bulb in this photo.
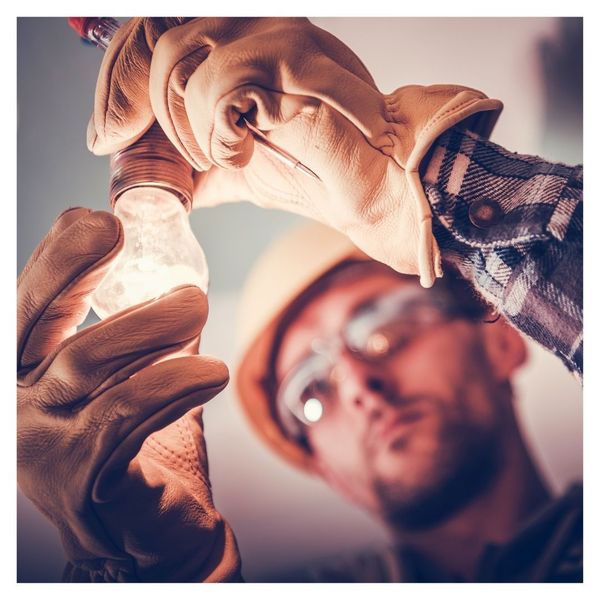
(160, 252)
(151, 194)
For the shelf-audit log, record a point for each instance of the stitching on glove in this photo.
(169, 454)
(164, 451)
(194, 456)
(165, 408)
(193, 464)
(453, 109)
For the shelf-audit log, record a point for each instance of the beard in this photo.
(467, 462)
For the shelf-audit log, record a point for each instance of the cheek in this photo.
(445, 362)
(339, 446)
(339, 450)
(469, 377)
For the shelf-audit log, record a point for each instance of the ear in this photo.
(505, 348)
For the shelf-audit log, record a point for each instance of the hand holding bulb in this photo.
(109, 418)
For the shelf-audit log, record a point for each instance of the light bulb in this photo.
(160, 251)
(151, 193)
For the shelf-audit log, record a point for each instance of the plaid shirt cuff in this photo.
(513, 226)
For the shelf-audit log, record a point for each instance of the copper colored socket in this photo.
(152, 161)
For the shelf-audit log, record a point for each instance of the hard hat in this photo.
(288, 268)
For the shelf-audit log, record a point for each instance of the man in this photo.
(400, 398)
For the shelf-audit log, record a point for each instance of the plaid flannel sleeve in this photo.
(513, 226)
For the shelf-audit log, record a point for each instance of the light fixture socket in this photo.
(152, 161)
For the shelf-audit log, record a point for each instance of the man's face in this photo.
(400, 434)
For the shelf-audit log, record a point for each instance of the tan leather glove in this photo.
(110, 444)
(313, 97)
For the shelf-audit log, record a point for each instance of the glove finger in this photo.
(64, 220)
(220, 186)
(277, 60)
(270, 183)
(177, 55)
(217, 127)
(122, 110)
(167, 99)
(53, 297)
(103, 355)
(124, 416)
(230, 143)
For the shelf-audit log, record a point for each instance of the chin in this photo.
(412, 457)
(417, 490)
(407, 484)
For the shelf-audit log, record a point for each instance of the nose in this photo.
(363, 387)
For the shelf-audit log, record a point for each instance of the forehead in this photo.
(327, 312)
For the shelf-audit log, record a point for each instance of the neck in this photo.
(492, 517)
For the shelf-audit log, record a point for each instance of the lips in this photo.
(387, 431)
(400, 424)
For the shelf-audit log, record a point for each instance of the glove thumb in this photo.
(122, 110)
(54, 291)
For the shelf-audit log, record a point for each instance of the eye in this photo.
(389, 338)
(317, 388)
(377, 344)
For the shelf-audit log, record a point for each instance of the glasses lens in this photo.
(385, 325)
(305, 392)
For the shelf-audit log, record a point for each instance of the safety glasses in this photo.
(374, 332)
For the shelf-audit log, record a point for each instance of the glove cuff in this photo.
(478, 114)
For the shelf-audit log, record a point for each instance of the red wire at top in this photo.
(81, 24)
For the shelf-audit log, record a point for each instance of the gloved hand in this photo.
(110, 444)
(313, 97)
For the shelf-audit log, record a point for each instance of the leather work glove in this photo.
(110, 445)
(312, 96)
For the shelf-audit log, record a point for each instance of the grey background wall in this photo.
(279, 516)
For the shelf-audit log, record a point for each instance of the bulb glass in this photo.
(160, 252)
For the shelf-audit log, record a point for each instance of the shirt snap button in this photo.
(485, 213)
